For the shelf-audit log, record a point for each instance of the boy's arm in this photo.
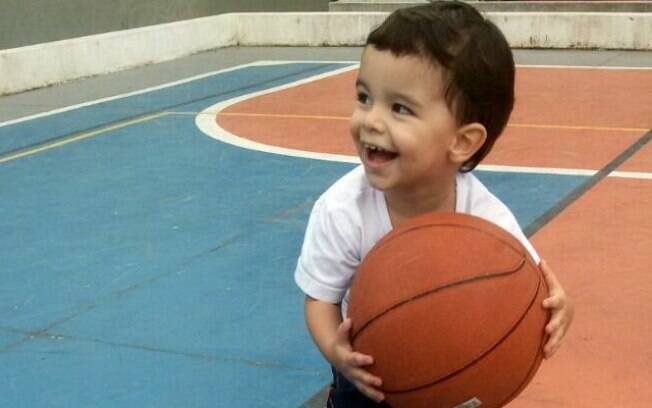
(331, 334)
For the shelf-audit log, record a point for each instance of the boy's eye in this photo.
(363, 98)
(402, 109)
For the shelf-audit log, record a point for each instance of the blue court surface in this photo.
(145, 264)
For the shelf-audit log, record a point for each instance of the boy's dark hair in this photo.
(478, 64)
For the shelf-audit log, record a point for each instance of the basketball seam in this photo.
(523, 253)
(444, 286)
(535, 364)
(481, 355)
(503, 235)
(526, 380)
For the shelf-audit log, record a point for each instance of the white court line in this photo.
(156, 88)
(206, 119)
(608, 68)
(631, 174)
(207, 123)
(536, 170)
(256, 63)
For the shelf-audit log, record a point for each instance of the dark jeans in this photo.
(343, 394)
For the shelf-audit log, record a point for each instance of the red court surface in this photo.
(600, 246)
(563, 118)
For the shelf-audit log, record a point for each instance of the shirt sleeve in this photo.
(514, 228)
(474, 198)
(329, 255)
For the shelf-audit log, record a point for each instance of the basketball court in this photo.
(151, 222)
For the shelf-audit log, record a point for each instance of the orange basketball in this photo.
(449, 306)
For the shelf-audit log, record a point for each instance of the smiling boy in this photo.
(434, 90)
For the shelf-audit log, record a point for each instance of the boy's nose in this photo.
(373, 120)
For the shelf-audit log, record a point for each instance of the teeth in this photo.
(373, 147)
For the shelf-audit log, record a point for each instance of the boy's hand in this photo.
(561, 311)
(349, 363)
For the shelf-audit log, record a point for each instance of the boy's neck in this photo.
(402, 206)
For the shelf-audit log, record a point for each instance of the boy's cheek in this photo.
(355, 134)
(355, 122)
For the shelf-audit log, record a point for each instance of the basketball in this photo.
(449, 306)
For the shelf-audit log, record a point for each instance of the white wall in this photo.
(49, 63)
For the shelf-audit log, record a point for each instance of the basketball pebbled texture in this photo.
(449, 306)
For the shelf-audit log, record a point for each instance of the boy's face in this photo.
(401, 125)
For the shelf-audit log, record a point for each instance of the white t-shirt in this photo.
(351, 216)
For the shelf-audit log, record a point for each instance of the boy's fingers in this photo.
(360, 359)
(552, 326)
(376, 396)
(371, 392)
(553, 302)
(362, 377)
(556, 337)
(550, 351)
(552, 346)
(370, 380)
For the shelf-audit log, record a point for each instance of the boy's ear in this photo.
(468, 140)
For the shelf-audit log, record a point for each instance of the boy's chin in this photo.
(377, 181)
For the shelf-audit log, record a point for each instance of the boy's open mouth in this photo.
(377, 155)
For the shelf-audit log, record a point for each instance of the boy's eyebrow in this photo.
(410, 100)
(396, 95)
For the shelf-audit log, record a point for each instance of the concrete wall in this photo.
(26, 22)
(549, 6)
(44, 64)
